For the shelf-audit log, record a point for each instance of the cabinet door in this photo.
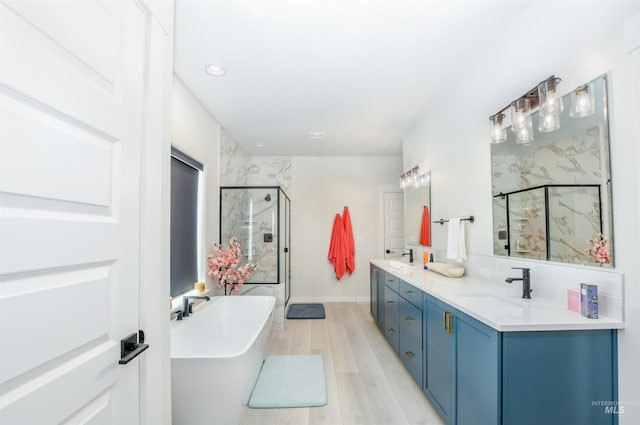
(559, 377)
(410, 348)
(391, 327)
(477, 372)
(440, 357)
(373, 292)
(381, 299)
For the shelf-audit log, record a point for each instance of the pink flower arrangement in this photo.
(224, 265)
(598, 250)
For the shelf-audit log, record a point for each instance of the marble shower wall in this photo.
(239, 169)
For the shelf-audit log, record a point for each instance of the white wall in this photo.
(196, 132)
(453, 142)
(321, 188)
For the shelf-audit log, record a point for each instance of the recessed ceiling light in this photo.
(215, 70)
(260, 145)
(315, 135)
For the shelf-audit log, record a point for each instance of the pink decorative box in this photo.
(573, 300)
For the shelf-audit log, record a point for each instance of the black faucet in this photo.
(186, 306)
(410, 254)
(526, 282)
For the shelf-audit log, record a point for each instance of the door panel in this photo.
(393, 224)
(71, 87)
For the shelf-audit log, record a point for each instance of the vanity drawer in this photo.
(392, 282)
(410, 354)
(410, 321)
(391, 303)
(392, 332)
(411, 294)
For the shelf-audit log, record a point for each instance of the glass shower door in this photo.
(527, 224)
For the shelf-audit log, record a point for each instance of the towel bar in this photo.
(442, 221)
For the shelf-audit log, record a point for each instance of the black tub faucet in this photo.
(410, 254)
(526, 282)
(186, 307)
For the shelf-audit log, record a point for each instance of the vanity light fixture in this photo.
(582, 102)
(498, 132)
(551, 105)
(413, 178)
(544, 96)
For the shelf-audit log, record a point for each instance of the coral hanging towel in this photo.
(350, 246)
(338, 248)
(425, 229)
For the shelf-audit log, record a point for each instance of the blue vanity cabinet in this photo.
(377, 276)
(462, 365)
(474, 374)
(397, 308)
(439, 357)
(478, 376)
(559, 377)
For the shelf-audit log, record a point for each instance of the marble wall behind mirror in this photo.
(551, 196)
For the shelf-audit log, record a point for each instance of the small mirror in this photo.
(415, 202)
(552, 197)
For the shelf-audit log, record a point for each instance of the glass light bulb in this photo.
(549, 121)
(582, 101)
(524, 135)
(520, 114)
(498, 132)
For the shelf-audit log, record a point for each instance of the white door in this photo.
(393, 225)
(70, 117)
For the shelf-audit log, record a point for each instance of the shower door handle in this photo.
(286, 249)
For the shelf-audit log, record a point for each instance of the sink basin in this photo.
(403, 266)
(479, 301)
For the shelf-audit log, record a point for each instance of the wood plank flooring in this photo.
(366, 382)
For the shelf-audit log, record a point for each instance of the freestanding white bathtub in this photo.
(216, 355)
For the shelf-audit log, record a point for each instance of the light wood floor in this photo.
(366, 382)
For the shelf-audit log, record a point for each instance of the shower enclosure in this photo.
(260, 218)
(547, 222)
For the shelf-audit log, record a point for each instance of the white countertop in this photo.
(497, 307)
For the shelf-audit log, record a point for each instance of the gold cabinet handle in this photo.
(408, 292)
(390, 280)
(448, 317)
(409, 354)
(408, 319)
(390, 302)
(390, 331)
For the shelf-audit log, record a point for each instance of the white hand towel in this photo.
(456, 249)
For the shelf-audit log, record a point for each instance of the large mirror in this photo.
(552, 197)
(416, 199)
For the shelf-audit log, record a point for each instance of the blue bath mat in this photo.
(306, 311)
(290, 381)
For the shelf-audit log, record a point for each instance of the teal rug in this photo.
(290, 381)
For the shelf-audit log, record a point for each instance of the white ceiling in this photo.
(365, 71)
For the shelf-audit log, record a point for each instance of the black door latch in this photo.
(131, 347)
